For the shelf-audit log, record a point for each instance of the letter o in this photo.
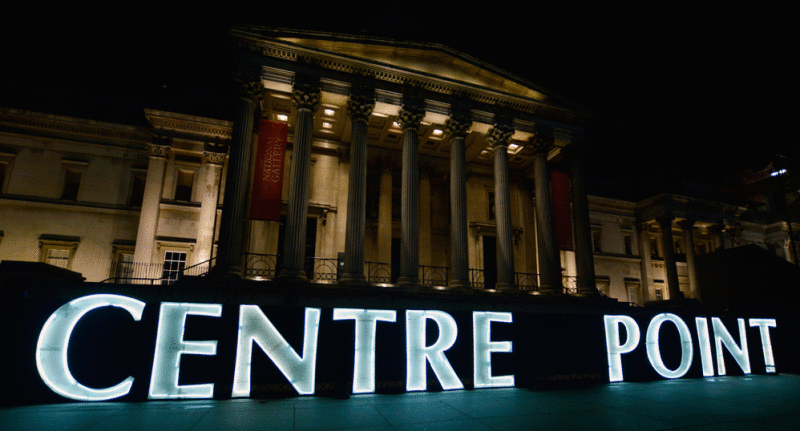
(654, 351)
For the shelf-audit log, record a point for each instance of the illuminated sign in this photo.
(722, 337)
(432, 340)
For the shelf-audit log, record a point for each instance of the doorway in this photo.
(489, 262)
(311, 245)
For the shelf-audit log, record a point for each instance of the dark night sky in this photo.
(694, 93)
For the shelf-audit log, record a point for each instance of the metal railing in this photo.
(570, 284)
(378, 272)
(260, 266)
(156, 273)
(319, 270)
(433, 276)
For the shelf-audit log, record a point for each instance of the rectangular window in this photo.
(183, 186)
(491, 206)
(174, 262)
(138, 182)
(58, 250)
(654, 247)
(72, 182)
(627, 238)
(659, 294)
(57, 257)
(597, 239)
(5, 170)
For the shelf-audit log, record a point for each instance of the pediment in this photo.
(399, 59)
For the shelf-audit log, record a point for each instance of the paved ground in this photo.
(726, 403)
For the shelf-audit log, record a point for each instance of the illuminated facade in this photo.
(408, 165)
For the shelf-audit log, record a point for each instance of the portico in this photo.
(485, 138)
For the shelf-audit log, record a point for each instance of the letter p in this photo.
(613, 346)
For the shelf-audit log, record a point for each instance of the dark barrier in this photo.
(103, 342)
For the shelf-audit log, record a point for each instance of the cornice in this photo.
(394, 74)
(38, 124)
(189, 125)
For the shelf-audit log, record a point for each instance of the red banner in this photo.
(265, 203)
(562, 214)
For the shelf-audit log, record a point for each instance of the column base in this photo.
(356, 279)
(505, 286)
(293, 276)
(225, 272)
(410, 283)
(460, 284)
(549, 290)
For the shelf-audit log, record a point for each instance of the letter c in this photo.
(51, 349)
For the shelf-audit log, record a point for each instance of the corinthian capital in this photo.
(499, 135)
(160, 148)
(249, 88)
(306, 97)
(541, 143)
(214, 158)
(410, 117)
(458, 126)
(359, 108)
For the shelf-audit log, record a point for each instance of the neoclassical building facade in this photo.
(405, 165)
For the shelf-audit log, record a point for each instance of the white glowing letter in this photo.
(51, 349)
(255, 327)
(614, 348)
(766, 344)
(483, 347)
(704, 341)
(364, 365)
(722, 336)
(170, 346)
(654, 351)
(417, 352)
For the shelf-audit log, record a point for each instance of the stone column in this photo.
(647, 262)
(549, 258)
(410, 119)
(208, 193)
(359, 109)
(306, 100)
(229, 244)
(498, 137)
(457, 129)
(148, 218)
(688, 243)
(385, 214)
(584, 255)
(670, 267)
(425, 229)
